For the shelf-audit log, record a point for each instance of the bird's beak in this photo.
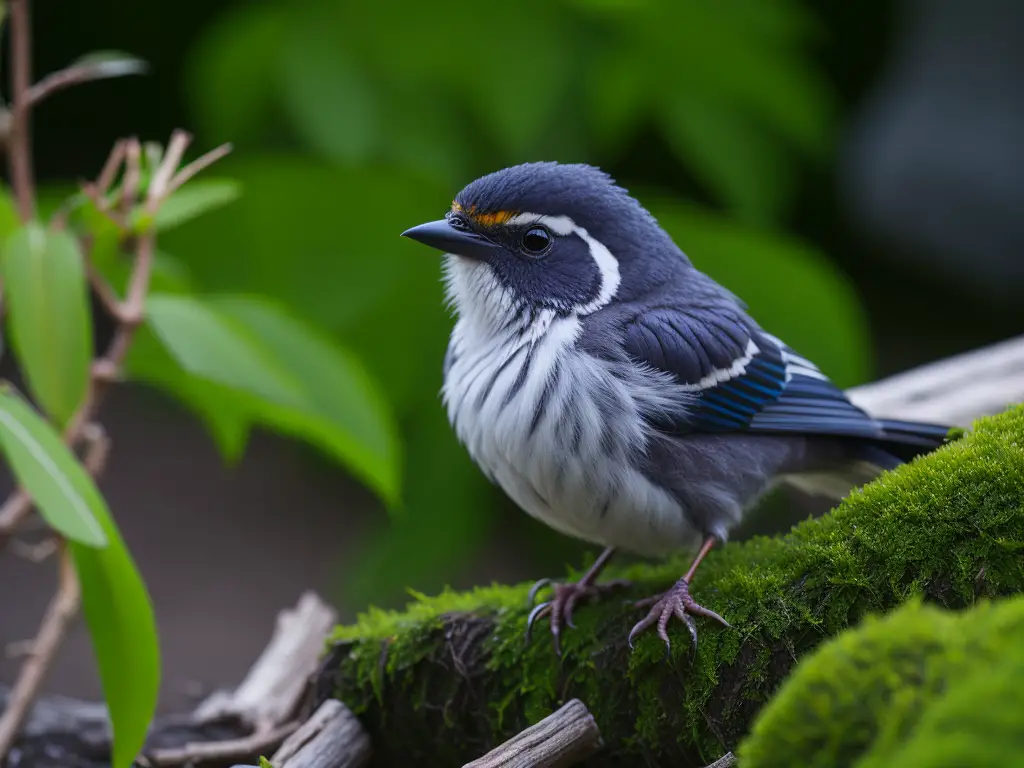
(441, 235)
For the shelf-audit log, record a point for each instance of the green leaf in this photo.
(225, 417)
(62, 490)
(194, 199)
(343, 409)
(104, 64)
(212, 347)
(51, 324)
(122, 628)
(283, 373)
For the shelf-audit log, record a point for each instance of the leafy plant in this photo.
(238, 360)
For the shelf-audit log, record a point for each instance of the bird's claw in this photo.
(676, 602)
(562, 603)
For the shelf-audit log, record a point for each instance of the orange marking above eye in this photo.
(484, 219)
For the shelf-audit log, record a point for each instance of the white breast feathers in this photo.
(558, 430)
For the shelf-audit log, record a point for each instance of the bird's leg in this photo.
(561, 604)
(677, 602)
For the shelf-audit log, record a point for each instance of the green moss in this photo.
(452, 675)
(922, 686)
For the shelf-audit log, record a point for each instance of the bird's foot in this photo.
(562, 603)
(676, 602)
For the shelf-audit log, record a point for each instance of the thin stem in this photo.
(55, 624)
(198, 165)
(19, 154)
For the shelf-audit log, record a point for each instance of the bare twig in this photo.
(51, 632)
(103, 290)
(35, 553)
(565, 737)
(110, 168)
(728, 760)
(19, 154)
(14, 510)
(198, 165)
(132, 175)
(159, 184)
(233, 749)
(331, 737)
(82, 73)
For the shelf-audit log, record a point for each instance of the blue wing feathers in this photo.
(746, 380)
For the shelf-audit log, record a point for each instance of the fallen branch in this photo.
(331, 738)
(254, 719)
(953, 391)
(273, 688)
(563, 738)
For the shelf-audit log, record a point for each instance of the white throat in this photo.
(485, 307)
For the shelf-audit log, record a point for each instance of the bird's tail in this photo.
(903, 440)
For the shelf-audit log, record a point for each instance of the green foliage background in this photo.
(353, 121)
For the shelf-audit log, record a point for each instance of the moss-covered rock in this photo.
(450, 677)
(922, 687)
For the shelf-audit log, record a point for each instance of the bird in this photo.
(620, 395)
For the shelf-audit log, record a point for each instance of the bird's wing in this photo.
(741, 378)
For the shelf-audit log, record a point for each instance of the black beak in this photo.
(444, 237)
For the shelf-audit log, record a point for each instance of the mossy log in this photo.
(443, 681)
(919, 687)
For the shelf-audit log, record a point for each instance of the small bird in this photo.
(617, 393)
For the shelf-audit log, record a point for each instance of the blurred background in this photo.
(853, 170)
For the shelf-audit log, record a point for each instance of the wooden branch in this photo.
(728, 760)
(331, 738)
(253, 720)
(953, 391)
(274, 686)
(195, 752)
(563, 738)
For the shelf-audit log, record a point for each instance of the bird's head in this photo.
(547, 236)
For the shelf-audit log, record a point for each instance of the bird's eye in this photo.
(455, 221)
(536, 240)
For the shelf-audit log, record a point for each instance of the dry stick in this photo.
(261, 741)
(331, 738)
(19, 154)
(62, 610)
(563, 738)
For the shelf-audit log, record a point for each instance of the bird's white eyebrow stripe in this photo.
(560, 225)
(607, 264)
